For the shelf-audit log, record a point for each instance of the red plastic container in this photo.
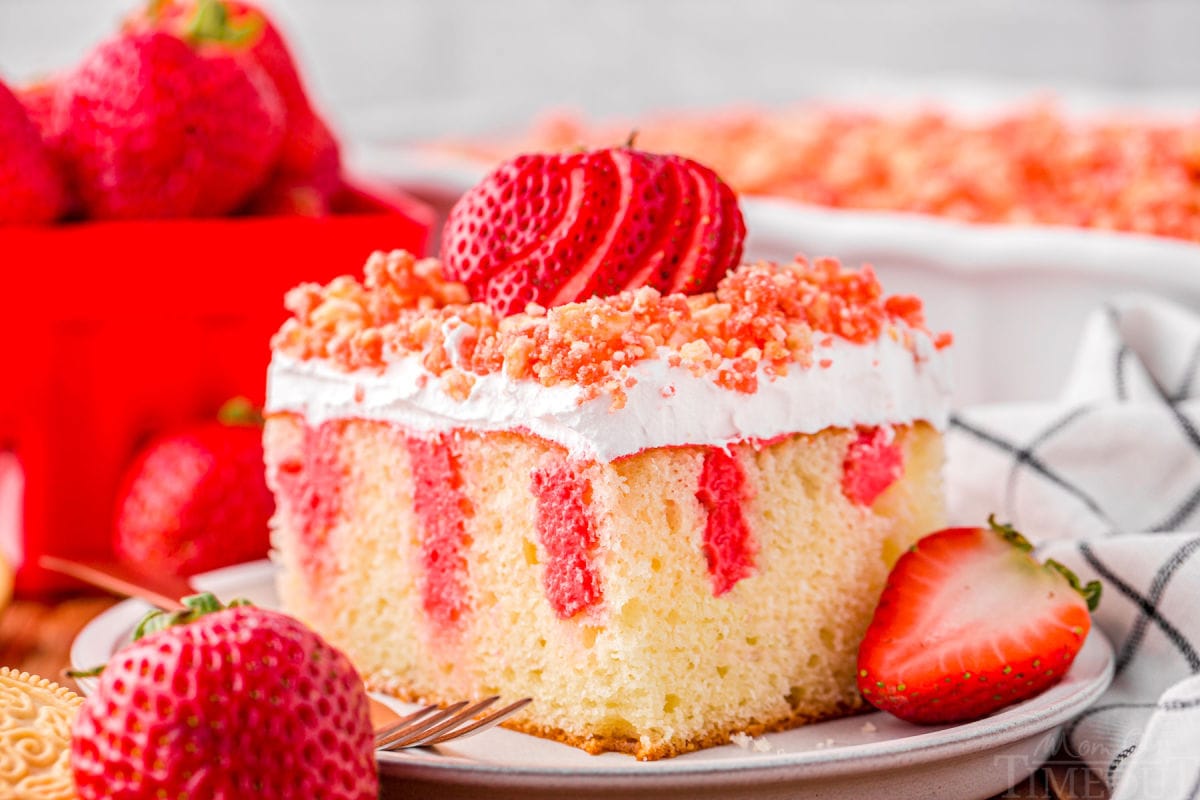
(113, 331)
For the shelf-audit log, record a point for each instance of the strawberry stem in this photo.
(211, 23)
(239, 411)
(632, 136)
(1090, 591)
(154, 8)
(1010, 534)
(194, 607)
(84, 673)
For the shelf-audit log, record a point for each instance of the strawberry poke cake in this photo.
(591, 458)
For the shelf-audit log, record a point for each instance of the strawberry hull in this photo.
(113, 331)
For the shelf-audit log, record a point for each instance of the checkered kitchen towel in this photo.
(1107, 480)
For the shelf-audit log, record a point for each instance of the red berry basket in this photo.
(113, 331)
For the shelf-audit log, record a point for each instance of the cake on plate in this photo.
(665, 516)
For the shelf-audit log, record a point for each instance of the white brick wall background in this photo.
(400, 69)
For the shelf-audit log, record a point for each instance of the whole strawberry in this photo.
(970, 622)
(31, 187)
(308, 170)
(226, 704)
(556, 228)
(164, 126)
(196, 499)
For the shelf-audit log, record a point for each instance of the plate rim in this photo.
(1005, 727)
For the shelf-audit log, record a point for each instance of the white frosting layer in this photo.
(879, 383)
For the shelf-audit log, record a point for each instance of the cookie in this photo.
(35, 737)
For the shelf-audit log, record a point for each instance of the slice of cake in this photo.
(666, 517)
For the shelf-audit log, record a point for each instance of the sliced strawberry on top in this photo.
(649, 197)
(970, 622)
(529, 202)
(557, 229)
(716, 241)
(559, 265)
(675, 236)
(733, 235)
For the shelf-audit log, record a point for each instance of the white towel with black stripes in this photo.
(1107, 480)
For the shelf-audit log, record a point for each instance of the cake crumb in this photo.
(868, 728)
(758, 744)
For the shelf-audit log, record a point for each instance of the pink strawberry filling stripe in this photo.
(311, 489)
(567, 533)
(728, 544)
(441, 510)
(873, 463)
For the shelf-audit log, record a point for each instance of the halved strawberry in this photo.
(970, 622)
(559, 228)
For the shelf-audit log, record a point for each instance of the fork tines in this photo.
(432, 725)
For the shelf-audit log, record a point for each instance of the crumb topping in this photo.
(763, 318)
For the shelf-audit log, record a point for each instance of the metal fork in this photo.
(433, 725)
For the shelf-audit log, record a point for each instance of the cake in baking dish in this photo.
(666, 517)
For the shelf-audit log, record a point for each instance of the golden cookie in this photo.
(35, 737)
(6, 582)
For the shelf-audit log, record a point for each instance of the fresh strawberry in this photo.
(160, 126)
(308, 175)
(225, 704)
(716, 242)
(308, 172)
(196, 499)
(31, 187)
(289, 195)
(970, 622)
(41, 101)
(556, 228)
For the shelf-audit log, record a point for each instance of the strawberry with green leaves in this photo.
(558, 228)
(225, 704)
(160, 124)
(307, 174)
(970, 622)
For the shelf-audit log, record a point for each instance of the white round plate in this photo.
(862, 757)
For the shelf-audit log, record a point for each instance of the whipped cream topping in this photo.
(848, 385)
